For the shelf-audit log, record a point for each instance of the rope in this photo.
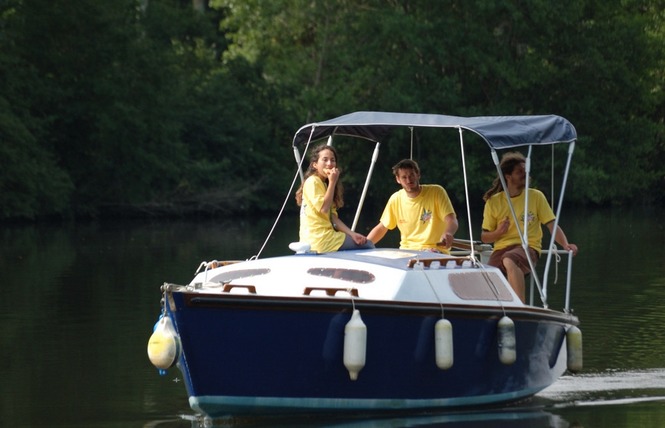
(552, 175)
(288, 195)
(438, 299)
(557, 260)
(492, 287)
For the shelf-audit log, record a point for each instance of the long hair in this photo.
(508, 163)
(338, 198)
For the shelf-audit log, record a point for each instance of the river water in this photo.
(79, 303)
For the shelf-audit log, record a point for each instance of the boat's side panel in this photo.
(296, 356)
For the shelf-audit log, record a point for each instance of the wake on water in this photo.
(607, 388)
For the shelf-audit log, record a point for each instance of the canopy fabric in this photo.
(500, 132)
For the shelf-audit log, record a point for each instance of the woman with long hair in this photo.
(319, 198)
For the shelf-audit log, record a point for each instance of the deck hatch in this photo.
(479, 286)
(351, 275)
(229, 276)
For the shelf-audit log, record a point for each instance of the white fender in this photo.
(506, 340)
(164, 344)
(443, 344)
(355, 344)
(574, 349)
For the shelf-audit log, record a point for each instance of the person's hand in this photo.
(332, 174)
(503, 226)
(359, 239)
(446, 240)
(571, 247)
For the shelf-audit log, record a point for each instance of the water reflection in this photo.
(527, 418)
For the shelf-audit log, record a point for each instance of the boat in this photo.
(373, 330)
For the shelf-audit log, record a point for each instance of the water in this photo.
(79, 304)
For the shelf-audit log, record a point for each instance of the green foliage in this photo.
(31, 182)
(153, 106)
(598, 64)
(131, 109)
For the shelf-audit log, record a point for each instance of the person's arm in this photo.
(357, 237)
(561, 239)
(376, 234)
(448, 236)
(490, 236)
(333, 176)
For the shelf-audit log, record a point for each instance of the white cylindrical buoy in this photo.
(164, 344)
(443, 344)
(506, 340)
(355, 344)
(574, 349)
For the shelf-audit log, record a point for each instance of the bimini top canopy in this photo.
(500, 132)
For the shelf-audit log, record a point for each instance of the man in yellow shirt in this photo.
(498, 227)
(422, 212)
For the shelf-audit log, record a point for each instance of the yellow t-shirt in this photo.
(420, 220)
(316, 227)
(539, 213)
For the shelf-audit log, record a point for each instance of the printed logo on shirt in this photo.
(531, 217)
(426, 216)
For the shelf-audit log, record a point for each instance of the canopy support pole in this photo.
(375, 157)
(299, 159)
(296, 153)
(571, 149)
(525, 239)
(466, 194)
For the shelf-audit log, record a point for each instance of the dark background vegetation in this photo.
(180, 107)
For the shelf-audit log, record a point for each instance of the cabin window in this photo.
(351, 275)
(237, 274)
(479, 286)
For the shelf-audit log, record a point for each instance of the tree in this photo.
(31, 181)
(119, 97)
(477, 57)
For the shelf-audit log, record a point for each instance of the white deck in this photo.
(379, 274)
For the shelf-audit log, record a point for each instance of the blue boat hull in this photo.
(250, 354)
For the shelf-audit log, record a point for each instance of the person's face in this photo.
(518, 177)
(326, 161)
(409, 179)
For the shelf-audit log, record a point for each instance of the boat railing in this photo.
(462, 247)
(556, 255)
